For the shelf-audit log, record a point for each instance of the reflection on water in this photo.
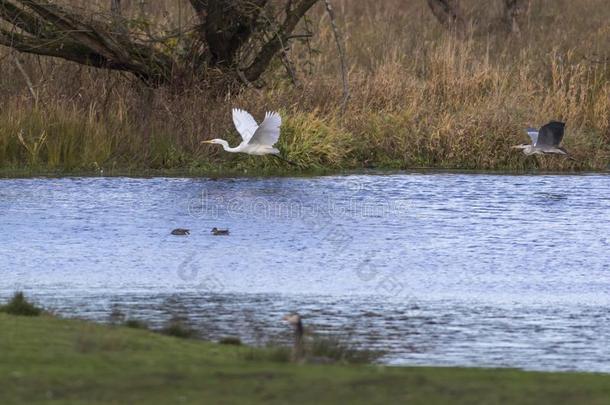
(440, 269)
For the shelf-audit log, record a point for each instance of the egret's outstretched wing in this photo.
(551, 134)
(244, 123)
(533, 133)
(268, 132)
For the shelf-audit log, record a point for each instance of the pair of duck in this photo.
(184, 232)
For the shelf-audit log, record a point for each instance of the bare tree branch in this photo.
(27, 79)
(225, 29)
(274, 45)
(21, 19)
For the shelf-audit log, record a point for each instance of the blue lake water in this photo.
(433, 269)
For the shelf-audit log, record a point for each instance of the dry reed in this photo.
(419, 98)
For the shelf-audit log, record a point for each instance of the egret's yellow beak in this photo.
(206, 142)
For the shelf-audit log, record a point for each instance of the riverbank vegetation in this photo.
(19, 306)
(420, 96)
(47, 359)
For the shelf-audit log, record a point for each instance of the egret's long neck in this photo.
(226, 147)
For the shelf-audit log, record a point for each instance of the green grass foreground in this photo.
(45, 359)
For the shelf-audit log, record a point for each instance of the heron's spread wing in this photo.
(533, 133)
(244, 123)
(268, 132)
(551, 134)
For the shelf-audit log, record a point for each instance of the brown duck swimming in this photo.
(181, 232)
(218, 232)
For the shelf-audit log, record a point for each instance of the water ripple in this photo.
(445, 269)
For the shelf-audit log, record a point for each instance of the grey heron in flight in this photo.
(546, 140)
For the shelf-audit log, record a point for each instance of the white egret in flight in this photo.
(256, 139)
(546, 140)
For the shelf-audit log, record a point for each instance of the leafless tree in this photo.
(238, 38)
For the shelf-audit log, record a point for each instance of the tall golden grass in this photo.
(419, 98)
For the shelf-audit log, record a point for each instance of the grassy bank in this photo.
(45, 359)
(419, 98)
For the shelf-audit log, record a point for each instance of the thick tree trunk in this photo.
(228, 26)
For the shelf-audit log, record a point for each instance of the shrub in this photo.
(276, 354)
(230, 340)
(18, 305)
(135, 324)
(334, 348)
(317, 349)
(178, 327)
